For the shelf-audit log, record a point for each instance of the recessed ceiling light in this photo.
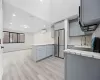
(14, 14)
(44, 26)
(41, 0)
(10, 23)
(26, 26)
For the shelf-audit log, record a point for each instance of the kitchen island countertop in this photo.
(82, 53)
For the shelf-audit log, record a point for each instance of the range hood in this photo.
(89, 15)
(88, 28)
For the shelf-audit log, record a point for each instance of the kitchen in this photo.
(82, 56)
(58, 44)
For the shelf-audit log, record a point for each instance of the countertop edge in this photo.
(83, 53)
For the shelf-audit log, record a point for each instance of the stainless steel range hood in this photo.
(89, 15)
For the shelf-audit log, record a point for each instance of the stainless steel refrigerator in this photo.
(59, 40)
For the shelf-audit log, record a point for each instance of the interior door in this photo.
(61, 43)
(1, 38)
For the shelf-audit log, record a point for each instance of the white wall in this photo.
(96, 32)
(19, 46)
(43, 38)
(1, 29)
(77, 41)
(66, 33)
(61, 9)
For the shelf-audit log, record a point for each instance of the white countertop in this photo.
(83, 53)
(40, 44)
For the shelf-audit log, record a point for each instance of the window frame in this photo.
(19, 38)
(12, 37)
(9, 37)
(18, 41)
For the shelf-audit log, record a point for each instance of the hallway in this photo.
(49, 69)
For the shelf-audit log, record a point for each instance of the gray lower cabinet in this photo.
(49, 50)
(42, 51)
(81, 68)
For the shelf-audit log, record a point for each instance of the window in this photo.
(21, 38)
(6, 37)
(13, 37)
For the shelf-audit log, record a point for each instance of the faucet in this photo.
(81, 41)
(85, 40)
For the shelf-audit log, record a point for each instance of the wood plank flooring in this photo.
(48, 69)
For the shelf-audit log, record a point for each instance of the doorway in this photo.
(59, 40)
(1, 39)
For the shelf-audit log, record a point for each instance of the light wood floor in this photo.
(48, 69)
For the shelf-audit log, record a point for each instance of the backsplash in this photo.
(80, 41)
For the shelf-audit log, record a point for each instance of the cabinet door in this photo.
(41, 52)
(90, 11)
(49, 50)
(74, 28)
(34, 53)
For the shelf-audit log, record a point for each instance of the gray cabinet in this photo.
(40, 52)
(74, 28)
(81, 68)
(49, 50)
(90, 12)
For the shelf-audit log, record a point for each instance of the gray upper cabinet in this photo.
(74, 28)
(90, 12)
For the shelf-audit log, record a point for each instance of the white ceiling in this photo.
(23, 21)
(49, 10)
(61, 9)
(44, 12)
(39, 8)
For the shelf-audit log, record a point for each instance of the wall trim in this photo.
(16, 50)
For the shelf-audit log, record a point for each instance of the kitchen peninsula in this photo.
(81, 65)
